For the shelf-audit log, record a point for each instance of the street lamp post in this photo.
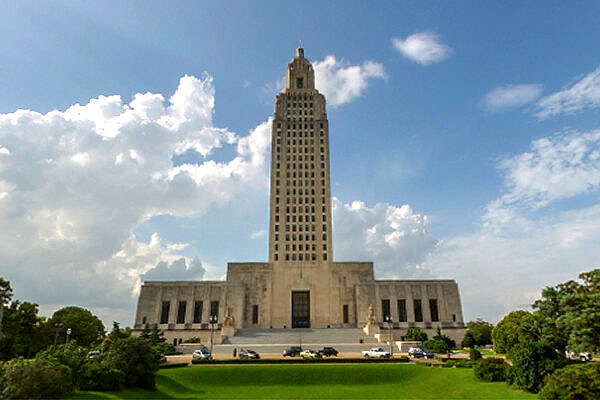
(388, 318)
(68, 335)
(213, 320)
(57, 327)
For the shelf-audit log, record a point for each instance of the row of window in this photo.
(299, 237)
(299, 246)
(300, 257)
(293, 126)
(292, 200)
(299, 183)
(307, 219)
(417, 310)
(292, 167)
(182, 308)
(292, 228)
(293, 157)
(300, 209)
(293, 173)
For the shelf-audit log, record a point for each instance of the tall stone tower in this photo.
(300, 207)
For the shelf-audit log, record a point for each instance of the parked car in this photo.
(248, 354)
(585, 356)
(292, 351)
(203, 354)
(328, 351)
(376, 352)
(310, 354)
(419, 352)
(93, 354)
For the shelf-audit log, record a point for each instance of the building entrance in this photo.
(301, 309)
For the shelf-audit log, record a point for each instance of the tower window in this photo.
(299, 83)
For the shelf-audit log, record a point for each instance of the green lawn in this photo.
(331, 381)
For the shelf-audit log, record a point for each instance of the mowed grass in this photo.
(332, 381)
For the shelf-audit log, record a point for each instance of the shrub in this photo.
(136, 359)
(435, 346)
(468, 340)
(532, 362)
(474, 354)
(166, 348)
(70, 355)
(34, 379)
(459, 363)
(194, 339)
(491, 369)
(403, 359)
(174, 365)
(416, 335)
(99, 375)
(440, 358)
(574, 382)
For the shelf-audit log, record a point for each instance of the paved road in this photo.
(277, 349)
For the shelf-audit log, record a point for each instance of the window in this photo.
(198, 311)
(402, 310)
(418, 310)
(164, 313)
(299, 84)
(214, 308)
(255, 314)
(181, 312)
(345, 313)
(385, 310)
(143, 320)
(433, 309)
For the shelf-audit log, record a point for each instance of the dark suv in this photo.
(292, 351)
(328, 351)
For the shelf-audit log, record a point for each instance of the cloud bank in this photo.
(74, 184)
(424, 48)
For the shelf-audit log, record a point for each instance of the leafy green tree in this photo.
(569, 314)
(70, 355)
(415, 334)
(136, 359)
(34, 379)
(480, 331)
(25, 332)
(440, 343)
(532, 362)
(468, 340)
(516, 327)
(86, 328)
(574, 382)
(118, 333)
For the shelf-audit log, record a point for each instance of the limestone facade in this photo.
(300, 285)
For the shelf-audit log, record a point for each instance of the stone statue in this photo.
(371, 327)
(228, 320)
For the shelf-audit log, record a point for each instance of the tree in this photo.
(440, 343)
(415, 334)
(532, 362)
(136, 359)
(516, 327)
(468, 340)
(156, 335)
(86, 328)
(480, 331)
(118, 333)
(5, 297)
(145, 335)
(25, 332)
(569, 314)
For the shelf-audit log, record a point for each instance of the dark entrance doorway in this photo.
(301, 309)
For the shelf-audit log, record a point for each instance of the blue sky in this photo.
(463, 142)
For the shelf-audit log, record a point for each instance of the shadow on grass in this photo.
(166, 384)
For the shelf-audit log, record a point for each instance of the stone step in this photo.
(299, 336)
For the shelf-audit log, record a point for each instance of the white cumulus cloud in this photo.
(510, 96)
(341, 82)
(395, 238)
(424, 48)
(76, 183)
(582, 94)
